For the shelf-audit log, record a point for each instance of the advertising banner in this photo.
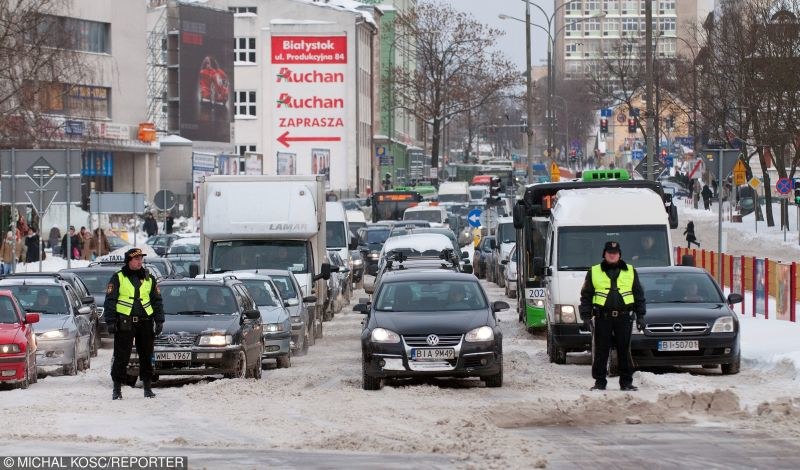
(206, 73)
(759, 289)
(783, 298)
(309, 106)
(287, 163)
(737, 276)
(253, 164)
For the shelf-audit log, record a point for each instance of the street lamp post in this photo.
(529, 98)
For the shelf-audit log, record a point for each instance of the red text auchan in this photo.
(309, 49)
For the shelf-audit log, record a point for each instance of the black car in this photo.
(370, 241)
(183, 264)
(211, 327)
(357, 266)
(430, 324)
(82, 292)
(482, 257)
(689, 321)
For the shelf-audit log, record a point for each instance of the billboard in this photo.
(309, 85)
(205, 73)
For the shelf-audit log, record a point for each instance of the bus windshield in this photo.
(390, 205)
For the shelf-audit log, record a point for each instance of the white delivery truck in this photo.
(339, 238)
(506, 237)
(251, 222)
(581, 222)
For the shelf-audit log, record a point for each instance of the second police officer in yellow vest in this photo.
(133, 310)
(614, 298)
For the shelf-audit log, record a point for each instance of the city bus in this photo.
(532, 221)
(390, 205)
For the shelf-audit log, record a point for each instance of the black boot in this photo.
(147, 392)
(117, 393)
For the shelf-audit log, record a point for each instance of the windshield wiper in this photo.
(193, 312)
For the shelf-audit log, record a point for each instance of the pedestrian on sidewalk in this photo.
(706, 193)
(690, 236)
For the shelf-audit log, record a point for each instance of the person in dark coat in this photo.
(75, 244)
(170, 223)
(133, 311)
(706, 193)
(32, 244)
(613, 297)
(150, 225)
(690, 236)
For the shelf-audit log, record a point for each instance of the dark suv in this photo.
(212, 326)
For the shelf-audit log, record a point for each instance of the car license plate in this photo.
(679, 345)
(433, 354)
(174, 356)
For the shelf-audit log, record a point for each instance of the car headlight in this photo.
(55, 334)
(216, 340)
(273, 327)
(358, 262)
(382, 335)
(538, 303)
(9, 348)
(100, 311)
(723, 325)
(565, 313)
(374, 255)
(297, 319)
(483, 333)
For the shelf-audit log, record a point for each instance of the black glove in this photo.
(112, 328)
(640, 322)
(159, 328)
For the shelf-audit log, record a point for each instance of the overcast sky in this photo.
(513, 43)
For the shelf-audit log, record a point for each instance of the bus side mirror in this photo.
(538, 266)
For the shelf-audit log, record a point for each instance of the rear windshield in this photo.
(285, 287)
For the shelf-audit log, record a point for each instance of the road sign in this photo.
(739, 173)
(164, 200)
(754, 183)
(669, 161)
(41, 199)
(474, 218)
(116, 203)
(712, 157)
(555, 172)
(41, 172)
(605, 112)
(637, 154)
(27, 170)
(697, 169)
(784, 185)
(641, 168)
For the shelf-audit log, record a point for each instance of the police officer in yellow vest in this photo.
(613, 297)
(133, 310)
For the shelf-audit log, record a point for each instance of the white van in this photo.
(355, 220)
(435, 214)
(337, 230)
(478, 194)
(506, 236)
(454, 192)
(581, 222)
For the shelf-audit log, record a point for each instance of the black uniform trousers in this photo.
(142, 332)
(610, 331)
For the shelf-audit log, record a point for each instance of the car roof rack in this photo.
(399, 256)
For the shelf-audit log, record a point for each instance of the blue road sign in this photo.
(605, 112)
(669, 161)
(637, 154)
(474, 217)
(784, 185)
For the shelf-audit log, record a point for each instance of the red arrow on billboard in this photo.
(285, 139)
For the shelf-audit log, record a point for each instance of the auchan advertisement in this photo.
(309, 84)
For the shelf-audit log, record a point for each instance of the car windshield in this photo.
(285, 286)
(454, 197)
(259, 254)
(261, 292)
(182, 266)
(96, 281)
(581, 247)
(335, 235)
(39, 299)
(429, 296)
(197, 299)
(428, 216)
(680, 287)
(506, 233)
(477, 193)
(377, 236)
(7, 312)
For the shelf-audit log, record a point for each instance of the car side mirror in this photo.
(286, 303)
(325, 272)
(309, 299)
(505, 261)
(493, 244)
(538, 266)
(735, 298)
(292, 302)
(85, 310)
(353, 243)
(464, 255)
(31, 318)
(252, 314)
(88, 300)
(194, 270)
(363, 308)
(499, 305)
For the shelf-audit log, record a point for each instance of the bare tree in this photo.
(457, 68)
(39, 70)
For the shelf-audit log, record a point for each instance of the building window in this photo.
(573, 27)
(666, 48)
(78, 35)
(630, 24)
(592, 26)
(241, 149)
(666, 5)
(572, 47)
(666, 24)
(245, 103)
(573, 7)
(244, 50)
(611, 6)
(243, 10)
(630, 6)
(592, 6)
(611, 26)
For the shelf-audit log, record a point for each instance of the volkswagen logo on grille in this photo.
(677, 328)
(432, 340)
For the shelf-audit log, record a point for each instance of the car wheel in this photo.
(285, 361)
(96, 341)
(131, 380)
(733, 367)
(26, 380)
(33, 376)
(256, 371)
(239, 369)
(501, 279)
(72, 368)
(86, 363)
(495, 381)
(303, 350)
(367, 381)
(318, 332)
(311, 334)
(557, 355)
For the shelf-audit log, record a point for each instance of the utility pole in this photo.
(529, 103)
(650, 112)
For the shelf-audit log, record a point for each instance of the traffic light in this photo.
(632, 125)
(604, 126)
(494, 192)
(797, 192)
(387, 182)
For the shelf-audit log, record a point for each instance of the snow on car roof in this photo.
(420, 242)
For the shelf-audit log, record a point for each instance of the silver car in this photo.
(64, 331)
(291, 293)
